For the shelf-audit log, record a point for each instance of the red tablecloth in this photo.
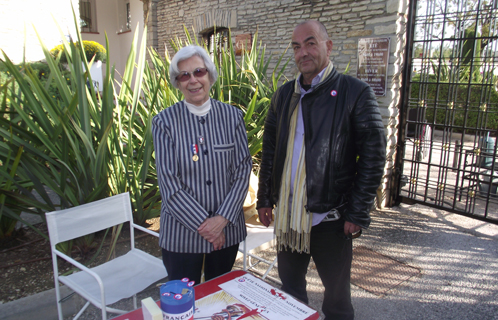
(201, 290)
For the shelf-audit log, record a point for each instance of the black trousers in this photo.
(189, 265)
(332, 254)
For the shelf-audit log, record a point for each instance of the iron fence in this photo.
(447, 151)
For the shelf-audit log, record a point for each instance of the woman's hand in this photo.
(219, 242)
(212, 228)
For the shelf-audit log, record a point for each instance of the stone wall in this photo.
(150, 20)
(346, 22)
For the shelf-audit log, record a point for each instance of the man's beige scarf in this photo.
(293, 224)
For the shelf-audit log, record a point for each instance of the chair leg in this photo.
(57, 288)
(104, 312)
(245, 256)
(249, 263)
(260, 259)
(116, 311)
(82, 310)
(58, 299)
(271, 265)
(269, 268)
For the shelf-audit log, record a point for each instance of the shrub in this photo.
(92, 48)
(84, 147)
(467, 112)
(41, 70)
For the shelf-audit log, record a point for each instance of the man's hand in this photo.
(211, 228)
(350, 228)
(265, 216)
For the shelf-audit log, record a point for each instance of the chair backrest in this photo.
(88, 218)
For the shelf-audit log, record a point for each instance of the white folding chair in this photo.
(114, 280)
(258, 237)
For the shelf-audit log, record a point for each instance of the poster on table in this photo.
(247, 297)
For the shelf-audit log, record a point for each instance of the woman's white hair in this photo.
(186, 53)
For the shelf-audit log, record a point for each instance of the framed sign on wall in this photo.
(373, 60)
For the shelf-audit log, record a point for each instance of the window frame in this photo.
(124, 16)
(93, 28)
(215, 35)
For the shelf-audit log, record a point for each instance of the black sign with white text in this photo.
(373, 59)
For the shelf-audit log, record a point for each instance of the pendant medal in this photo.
(195, 150)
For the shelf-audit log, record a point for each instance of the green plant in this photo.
(84, 147)
(459, 104)
(9, 211)
(91, 49)
(12, 200)
(79, 145)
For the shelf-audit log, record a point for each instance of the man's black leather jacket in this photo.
(345, 146)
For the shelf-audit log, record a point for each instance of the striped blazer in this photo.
(215, 184)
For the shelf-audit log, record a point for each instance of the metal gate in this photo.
(447, 151)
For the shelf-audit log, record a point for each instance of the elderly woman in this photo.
(203, 167)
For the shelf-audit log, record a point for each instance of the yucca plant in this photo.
(85, 146)
(81, 145)
(137, 106)
(245, 83)
(9, 210)
(13, 190)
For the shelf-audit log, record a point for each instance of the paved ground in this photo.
(457, 258)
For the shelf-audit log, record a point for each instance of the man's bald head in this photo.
(319, 25)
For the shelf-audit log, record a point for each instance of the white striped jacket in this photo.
(216, 183)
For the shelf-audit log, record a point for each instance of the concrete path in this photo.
(457, 258)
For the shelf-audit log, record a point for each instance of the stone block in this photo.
(357, 9)
(359, 33)
(349, 16)
(394, 6)
(384, 30)
(381, 20)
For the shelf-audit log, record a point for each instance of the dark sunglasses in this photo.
(185, 76)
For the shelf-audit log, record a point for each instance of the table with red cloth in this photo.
(267, 304)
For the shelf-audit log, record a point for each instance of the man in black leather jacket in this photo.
(324, 150)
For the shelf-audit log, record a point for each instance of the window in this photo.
(124, 16)
(128, 16)
(216, 40)
(88, 16)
